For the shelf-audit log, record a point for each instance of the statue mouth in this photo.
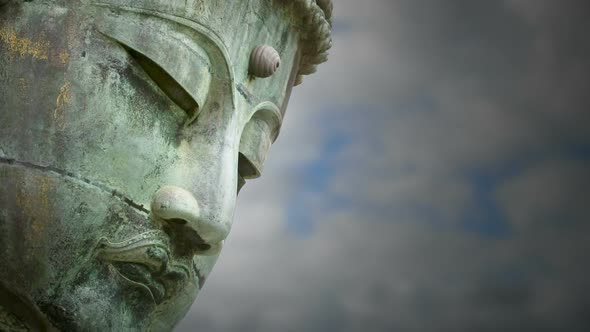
(145, 261)
(139, 275)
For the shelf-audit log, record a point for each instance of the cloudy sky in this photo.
(432, 176)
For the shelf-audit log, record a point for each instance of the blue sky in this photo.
(432, 176)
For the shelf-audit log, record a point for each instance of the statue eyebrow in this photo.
(208, 40)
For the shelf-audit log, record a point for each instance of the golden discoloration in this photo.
(43, 187)
(64, 57)
(63, 99)
(33, 200)
(38, 49)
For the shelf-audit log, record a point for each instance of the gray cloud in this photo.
(441, 157)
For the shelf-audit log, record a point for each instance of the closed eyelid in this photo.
(166, 83)
(178, 64)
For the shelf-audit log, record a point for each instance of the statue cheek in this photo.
(197, 192)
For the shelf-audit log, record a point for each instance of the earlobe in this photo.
(254, 145)
(258, 135)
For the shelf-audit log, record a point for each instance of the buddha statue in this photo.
(127, 128)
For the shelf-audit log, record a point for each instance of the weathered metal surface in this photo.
(125, 129)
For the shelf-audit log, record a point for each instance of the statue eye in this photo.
(166, 83)
(175, 57)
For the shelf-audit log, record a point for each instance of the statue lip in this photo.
(142, 260)
(145, 260)
(139, 275)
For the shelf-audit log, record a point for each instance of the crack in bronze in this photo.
(72, 176)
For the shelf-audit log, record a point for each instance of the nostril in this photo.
(178, 221)
(177, 209)
(185, 240)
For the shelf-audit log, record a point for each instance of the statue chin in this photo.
(126, 131)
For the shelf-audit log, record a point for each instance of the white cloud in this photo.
(426, 94)
(549, 194)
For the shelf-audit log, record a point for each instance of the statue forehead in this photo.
(232, 21)
(309, 20)
(300, 30)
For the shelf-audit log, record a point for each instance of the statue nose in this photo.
(178, 207)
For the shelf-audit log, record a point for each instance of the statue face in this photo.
(125, 134)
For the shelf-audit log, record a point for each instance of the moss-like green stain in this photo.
(88, 135)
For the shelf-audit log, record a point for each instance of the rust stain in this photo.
(63, 99)
(38, 49)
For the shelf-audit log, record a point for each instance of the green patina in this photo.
(126, 130)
